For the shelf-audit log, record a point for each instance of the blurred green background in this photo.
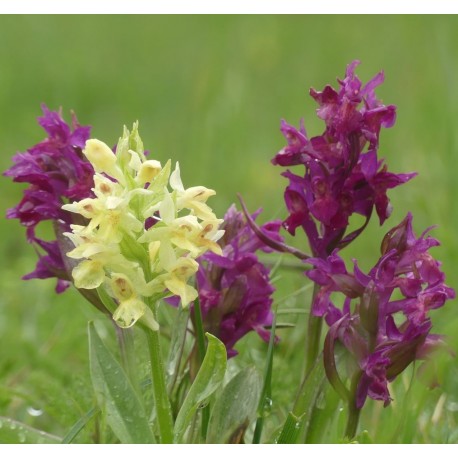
(209, 91)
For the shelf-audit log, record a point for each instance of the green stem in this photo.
(200, 336)
(353, 411)
(315, 323)
(161, 399)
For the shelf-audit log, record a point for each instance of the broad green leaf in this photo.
(116, 396)
(15, 432)
(207, 381)
(235, 407)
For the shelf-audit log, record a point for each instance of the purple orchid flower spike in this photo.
(343, 175)
(383, 333)
(235, 291)
(55, 171)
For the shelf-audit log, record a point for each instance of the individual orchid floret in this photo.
(235, 291)
(55, 171)
(343, 175)
(142, 232)
(385, 321)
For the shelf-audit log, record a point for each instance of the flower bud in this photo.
(100, 155)
(368, 311)
(148, 171)
(396, 238)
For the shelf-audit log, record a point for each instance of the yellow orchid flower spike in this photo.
(143, 230)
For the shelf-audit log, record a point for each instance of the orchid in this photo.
(56, 171)
(383, 332)
(138, 262)
(235, 291)
(343, 175)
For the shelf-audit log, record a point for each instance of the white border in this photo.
(228, 6)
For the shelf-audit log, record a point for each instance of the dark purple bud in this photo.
(369, 309)
(396, 238)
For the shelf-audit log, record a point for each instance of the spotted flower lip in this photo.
(343, 174)
(119, 249)
(383, 332)
(55, 171)
(235, 291)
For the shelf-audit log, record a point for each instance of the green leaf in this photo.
(207, 381)
(364, 438)
(291, 429)
(308, 396)
(235, 407)
(15, 432)
(323, 426)
(116, 396)
(80, 425)
(265, 400)
(177, 341)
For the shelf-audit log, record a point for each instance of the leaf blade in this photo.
(236, 407)
(115, 394)
(207, 381)
(15, 432)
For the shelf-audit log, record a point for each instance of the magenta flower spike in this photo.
(235, 292)
(343, 174)
(383, 332)
(56, 172)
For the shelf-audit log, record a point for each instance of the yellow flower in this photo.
(134, 264)
(193, 198)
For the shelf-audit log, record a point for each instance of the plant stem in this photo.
(315, 324)
(353, 411)
(200, 336)
(161, 399)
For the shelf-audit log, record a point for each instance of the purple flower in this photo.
(343, 174)
(56, 171)
(235, 292)
(385, 321)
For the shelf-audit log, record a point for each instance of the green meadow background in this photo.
(209, 92)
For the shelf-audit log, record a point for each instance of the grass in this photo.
(209, 91)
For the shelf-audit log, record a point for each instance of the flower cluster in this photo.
(56, 171)
(343, 174)
(385, 320)
(234, 288)
(136, 243)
